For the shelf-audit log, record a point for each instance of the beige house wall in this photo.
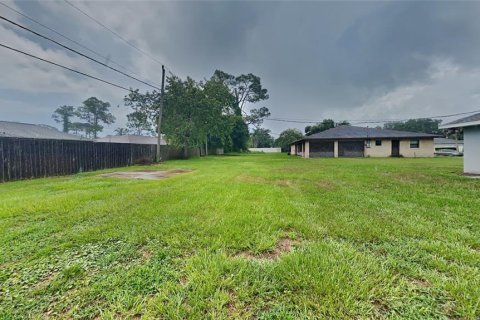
(385, 150)
(426, 148)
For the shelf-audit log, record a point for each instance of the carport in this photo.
(322, 148)
(351, 148)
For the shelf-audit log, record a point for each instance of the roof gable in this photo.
(473, 120)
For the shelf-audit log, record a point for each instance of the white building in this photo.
(471, 141)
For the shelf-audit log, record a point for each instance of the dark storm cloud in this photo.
(317, 59)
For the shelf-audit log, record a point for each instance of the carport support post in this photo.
(335, 148)
(306, 150)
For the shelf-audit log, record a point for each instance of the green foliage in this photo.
(261, 138)
(257, 116)
(319, 127)
(195, 112)
(287, 137)
(146, 107)
(95, 112)
(416, 125)
(239, 135)
(122, 131)
(245, 88)
(63, 115)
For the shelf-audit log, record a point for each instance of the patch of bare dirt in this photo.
(46, 280)
(421, 283)
(145, 174)
(146, 253)
(183, 280)
(284, 245)
(380, 308)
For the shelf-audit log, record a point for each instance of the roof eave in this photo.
(460, 125)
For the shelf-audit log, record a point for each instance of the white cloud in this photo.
(448, 89)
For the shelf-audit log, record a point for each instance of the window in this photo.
(378, 142)
(367, 143)
(415, 144)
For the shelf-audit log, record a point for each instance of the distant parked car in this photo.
(448, 152)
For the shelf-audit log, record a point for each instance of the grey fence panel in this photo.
(34, 158)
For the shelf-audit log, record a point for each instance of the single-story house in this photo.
(351, 141)
(471, 138)
(131, 138)
(450, 144)
(33, 131)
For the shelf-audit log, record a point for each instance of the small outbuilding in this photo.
(471, 141)
(352, 141)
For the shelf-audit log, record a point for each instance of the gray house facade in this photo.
(471, 141)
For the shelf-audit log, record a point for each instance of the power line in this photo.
(373, 121)
(73, 41)
(75, 51)
(113, 32)
(64, 67)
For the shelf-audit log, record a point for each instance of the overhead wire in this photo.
(64, 67)
(76, 42)
(113, 32)
(375, 121)
(75, 51)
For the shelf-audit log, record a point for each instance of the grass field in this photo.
(251, 236)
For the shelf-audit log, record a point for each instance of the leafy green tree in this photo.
(287, 137)
(138, 123)
(261, 138)
(80, 128)
(95, 112)
(245, 88)
(426, 125)
(195, 113)
(319, 127)
(239, 135)
(257, 116)
(63, 115)
(121, 131)
(146, 107)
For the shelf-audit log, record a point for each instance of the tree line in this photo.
(94, 113)
(212, 112)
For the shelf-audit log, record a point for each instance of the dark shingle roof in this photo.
(35, 131)
(352, 132)
(473, 118)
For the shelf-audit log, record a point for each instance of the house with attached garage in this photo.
(471, 141)
(351, 141)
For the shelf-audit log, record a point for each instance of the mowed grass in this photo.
(371, 238)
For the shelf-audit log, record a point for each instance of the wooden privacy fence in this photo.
(22, 158)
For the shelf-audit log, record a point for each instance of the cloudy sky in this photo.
(340, 60)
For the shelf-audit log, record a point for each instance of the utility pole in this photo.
(160, 111)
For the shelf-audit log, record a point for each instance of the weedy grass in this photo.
(250, 236)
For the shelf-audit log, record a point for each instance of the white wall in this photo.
(471, 156)
(266, 150)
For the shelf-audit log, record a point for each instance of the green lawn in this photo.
(371, 238)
